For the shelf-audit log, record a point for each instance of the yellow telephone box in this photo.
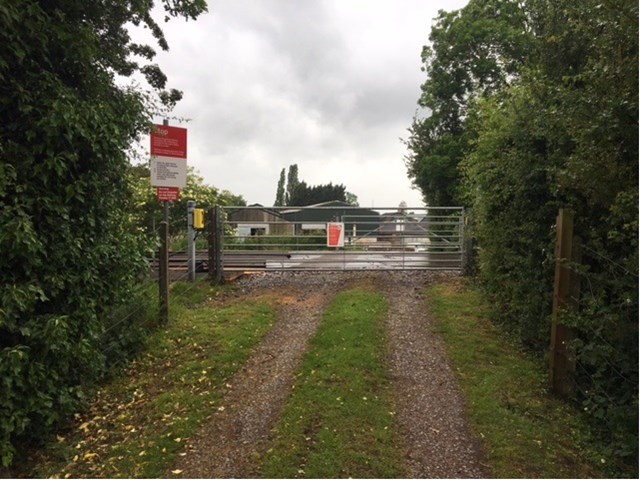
(198, 218)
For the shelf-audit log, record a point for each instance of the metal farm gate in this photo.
(333, 236)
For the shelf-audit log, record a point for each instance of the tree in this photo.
(474, 52)
(531, 106)
(280, 193)
(292, 184)
(311, 195)
(71, 257)
(351, 199)
(565, 134)
(298, 193)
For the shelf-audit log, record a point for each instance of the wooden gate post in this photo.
(219, 226)
(565, 297)
(215, 234)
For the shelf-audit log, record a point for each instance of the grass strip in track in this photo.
(140, 421)
(526, 432)
(339, 420)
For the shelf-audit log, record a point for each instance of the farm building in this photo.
(406, 229)
(359, 222)
(258, 220)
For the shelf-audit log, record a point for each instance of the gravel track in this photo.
(431, 411)
(237, 431)
(430, 407)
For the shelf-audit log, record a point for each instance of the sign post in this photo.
(168, 174)
(168, 159)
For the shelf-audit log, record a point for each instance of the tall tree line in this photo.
(528, 107)
(299, 193)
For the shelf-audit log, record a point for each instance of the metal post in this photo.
(163, 272)
(163, 261)
(191, 242)
(462, 240)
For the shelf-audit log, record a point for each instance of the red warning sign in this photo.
(168, 194)
(335, 234)
(168, 141)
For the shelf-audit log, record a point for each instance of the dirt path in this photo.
(430, 408)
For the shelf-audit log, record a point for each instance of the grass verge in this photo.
(526, 432)
(339, 422)
(138, 423)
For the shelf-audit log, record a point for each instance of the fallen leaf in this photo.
(90, 456)
(176, 472)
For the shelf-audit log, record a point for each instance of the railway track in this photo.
(319, 260)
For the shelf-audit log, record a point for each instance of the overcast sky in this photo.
(331, 85)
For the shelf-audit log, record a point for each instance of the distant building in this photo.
(258, 220)
(359, 222)
(403, 228)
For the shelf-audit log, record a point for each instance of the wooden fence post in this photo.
(163, 272)
(566, 291)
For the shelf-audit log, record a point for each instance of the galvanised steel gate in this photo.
(333, 236)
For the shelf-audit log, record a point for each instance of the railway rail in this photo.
(235, 261)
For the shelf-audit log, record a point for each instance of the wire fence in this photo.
(605, 344)
(142, 310)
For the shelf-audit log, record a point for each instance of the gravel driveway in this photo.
(430, 408)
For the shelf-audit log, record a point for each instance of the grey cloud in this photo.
(274, 82)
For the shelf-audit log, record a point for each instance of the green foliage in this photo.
(280, 199)
(292, 183)
(474, 52)
(70, 254)
(139, 422)
(512, 210)
(534, 106)
(148, 211)
(312, 195)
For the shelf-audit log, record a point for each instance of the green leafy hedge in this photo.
(537, 109)
(69, 258)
